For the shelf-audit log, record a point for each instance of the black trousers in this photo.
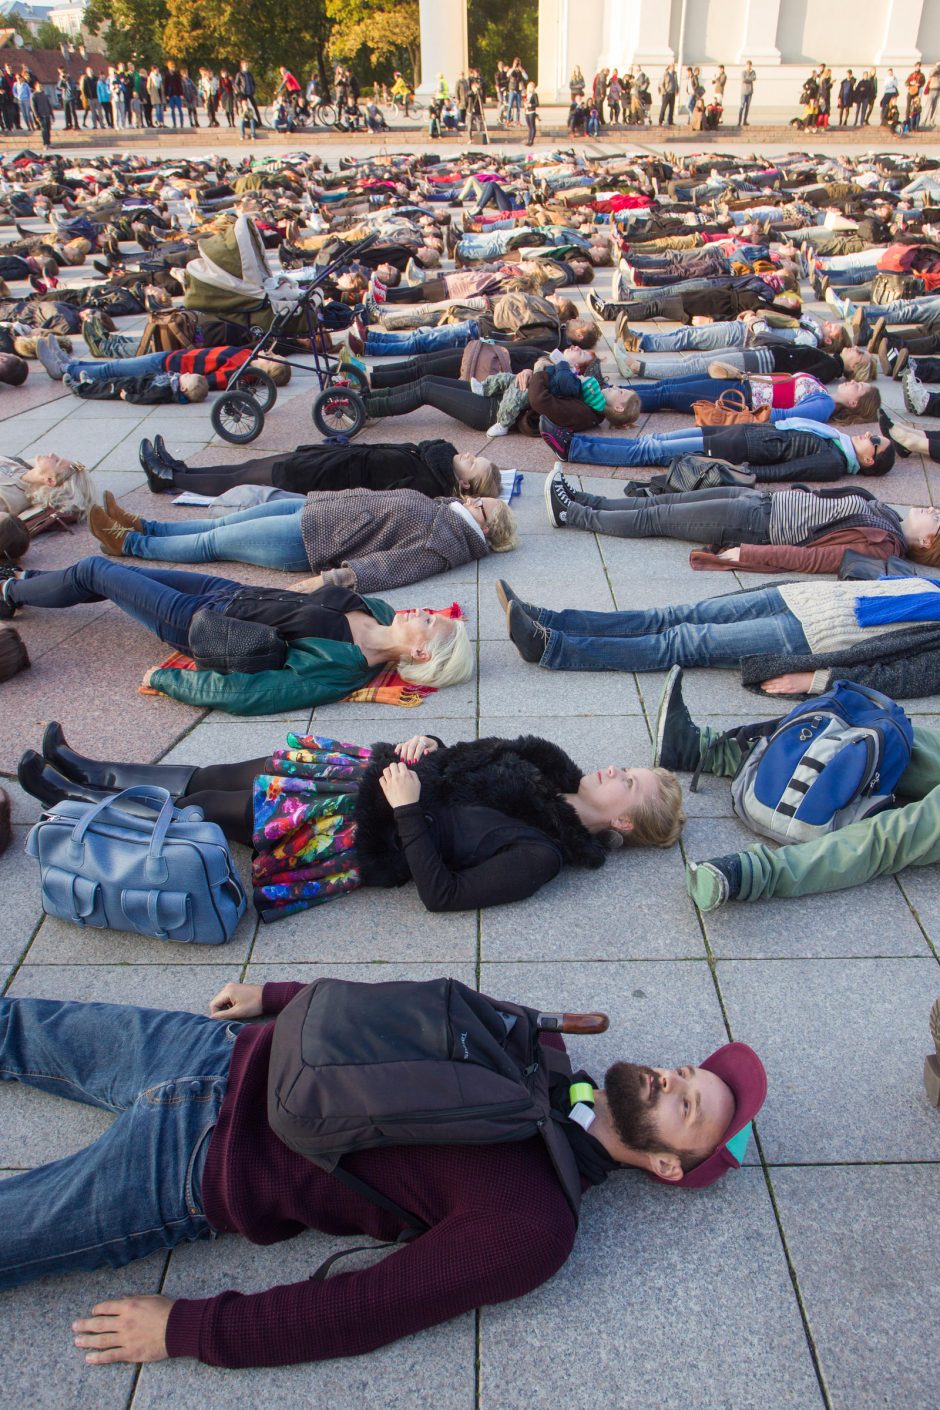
(453, 398)
(446, 363)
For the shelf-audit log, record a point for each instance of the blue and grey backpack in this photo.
(830, 762)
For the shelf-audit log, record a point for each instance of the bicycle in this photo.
(409, 106)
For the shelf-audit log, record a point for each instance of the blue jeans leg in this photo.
(634, 450)
(138, 1188)
(422, 340)
(717, 632)
(268, 536)
(678, 393)
(162, 601)
(709, 338)
(118, 367)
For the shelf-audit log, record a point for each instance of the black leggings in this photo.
(224, 793)
(216, 479)
(453, 398)
(445, 363)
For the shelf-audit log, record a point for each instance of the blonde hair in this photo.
(490, 481)
(657, 823)
(504, 533)
(865, 370)
(194, 386)
(866, 409)
(76, 494)
(630, 412)
(451, 660)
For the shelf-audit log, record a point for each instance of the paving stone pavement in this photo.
(807, 1280)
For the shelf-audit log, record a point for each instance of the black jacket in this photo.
(427, 467)
(766, 449)
(490, 826)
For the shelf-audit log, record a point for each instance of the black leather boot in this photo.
(106, 776)
(40, 780)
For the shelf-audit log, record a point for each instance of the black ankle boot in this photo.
(40, 780)
(110, 777)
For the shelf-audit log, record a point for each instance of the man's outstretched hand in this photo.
(129, 1329)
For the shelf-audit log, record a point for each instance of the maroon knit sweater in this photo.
(500, 1225)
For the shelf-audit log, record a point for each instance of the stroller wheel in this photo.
(255, 382)
(237, 418)
(339, 411)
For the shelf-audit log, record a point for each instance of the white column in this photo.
(616, 35)
(651, 46)
(902, 23)
(552, 80)
(758, 41)
(443, 42)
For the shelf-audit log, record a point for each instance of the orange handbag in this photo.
(730, 409)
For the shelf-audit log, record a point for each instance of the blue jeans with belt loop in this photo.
(137, 1188)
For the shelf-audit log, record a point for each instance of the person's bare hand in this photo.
(523, 378)
(148, 673)
(411, 750)
(237, 1001)
(733, 555)
(400, 786)
(308, 584)
(129, 1329)
(796, 683)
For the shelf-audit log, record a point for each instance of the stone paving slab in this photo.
(843, 1042)
(872, 1327)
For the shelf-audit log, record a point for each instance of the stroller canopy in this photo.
(229, 273)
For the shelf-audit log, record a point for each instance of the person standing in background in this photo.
(668, 88)
(531, 112)
(748, 79)
(932, 93)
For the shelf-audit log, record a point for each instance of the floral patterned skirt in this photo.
(304, 831)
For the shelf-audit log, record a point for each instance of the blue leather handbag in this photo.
(154, 869)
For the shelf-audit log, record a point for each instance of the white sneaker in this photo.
(916, 395)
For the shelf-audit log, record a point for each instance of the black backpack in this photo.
(405, 1063)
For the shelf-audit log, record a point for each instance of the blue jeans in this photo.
(720, 631)
(175, 108)
(120, 367)
(925, 310)
(267, 535)
(162, 600)
(486, 245)
(515, 105)
(138, 1188)
(679, 393)
(635, 450)
(421, 340)
(709, 338)
(842, 277)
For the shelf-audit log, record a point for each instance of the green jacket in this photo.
(317, 671)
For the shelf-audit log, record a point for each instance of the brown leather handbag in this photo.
(731, 409)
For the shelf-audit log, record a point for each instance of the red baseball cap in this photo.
(742, 1070)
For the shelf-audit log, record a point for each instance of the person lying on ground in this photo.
(907, 835)
(857, 364)
(432, 467)
(785, 394)
(278, 651)
(790, 639)
(508, 401)
(499, 818)
(795, 530)
(501, 1223)
(751, 330)
(791, 449)
(362, 539)
(152, 379)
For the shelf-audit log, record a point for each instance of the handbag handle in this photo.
(732, 399)
(155, 866)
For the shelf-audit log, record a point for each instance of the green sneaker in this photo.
(712, 883)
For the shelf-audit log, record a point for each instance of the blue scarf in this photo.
(906, 607)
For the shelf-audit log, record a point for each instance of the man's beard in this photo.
(632, 1104)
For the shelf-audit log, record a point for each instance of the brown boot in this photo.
(111, 536)
(120, 515)
(626, 335)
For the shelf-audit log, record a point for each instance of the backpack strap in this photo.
(744, 735)
(415, 1225)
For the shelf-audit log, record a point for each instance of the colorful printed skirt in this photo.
(304, 831)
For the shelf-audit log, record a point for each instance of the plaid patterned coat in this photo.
(386, 538)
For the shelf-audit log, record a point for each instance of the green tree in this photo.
(496, 31)
(373, 35)
(265, 32)
(135, 28)
(49, 36)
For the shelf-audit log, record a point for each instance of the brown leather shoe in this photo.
(111, 536)
(120, 515)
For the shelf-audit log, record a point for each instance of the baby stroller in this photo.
(232, 273)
